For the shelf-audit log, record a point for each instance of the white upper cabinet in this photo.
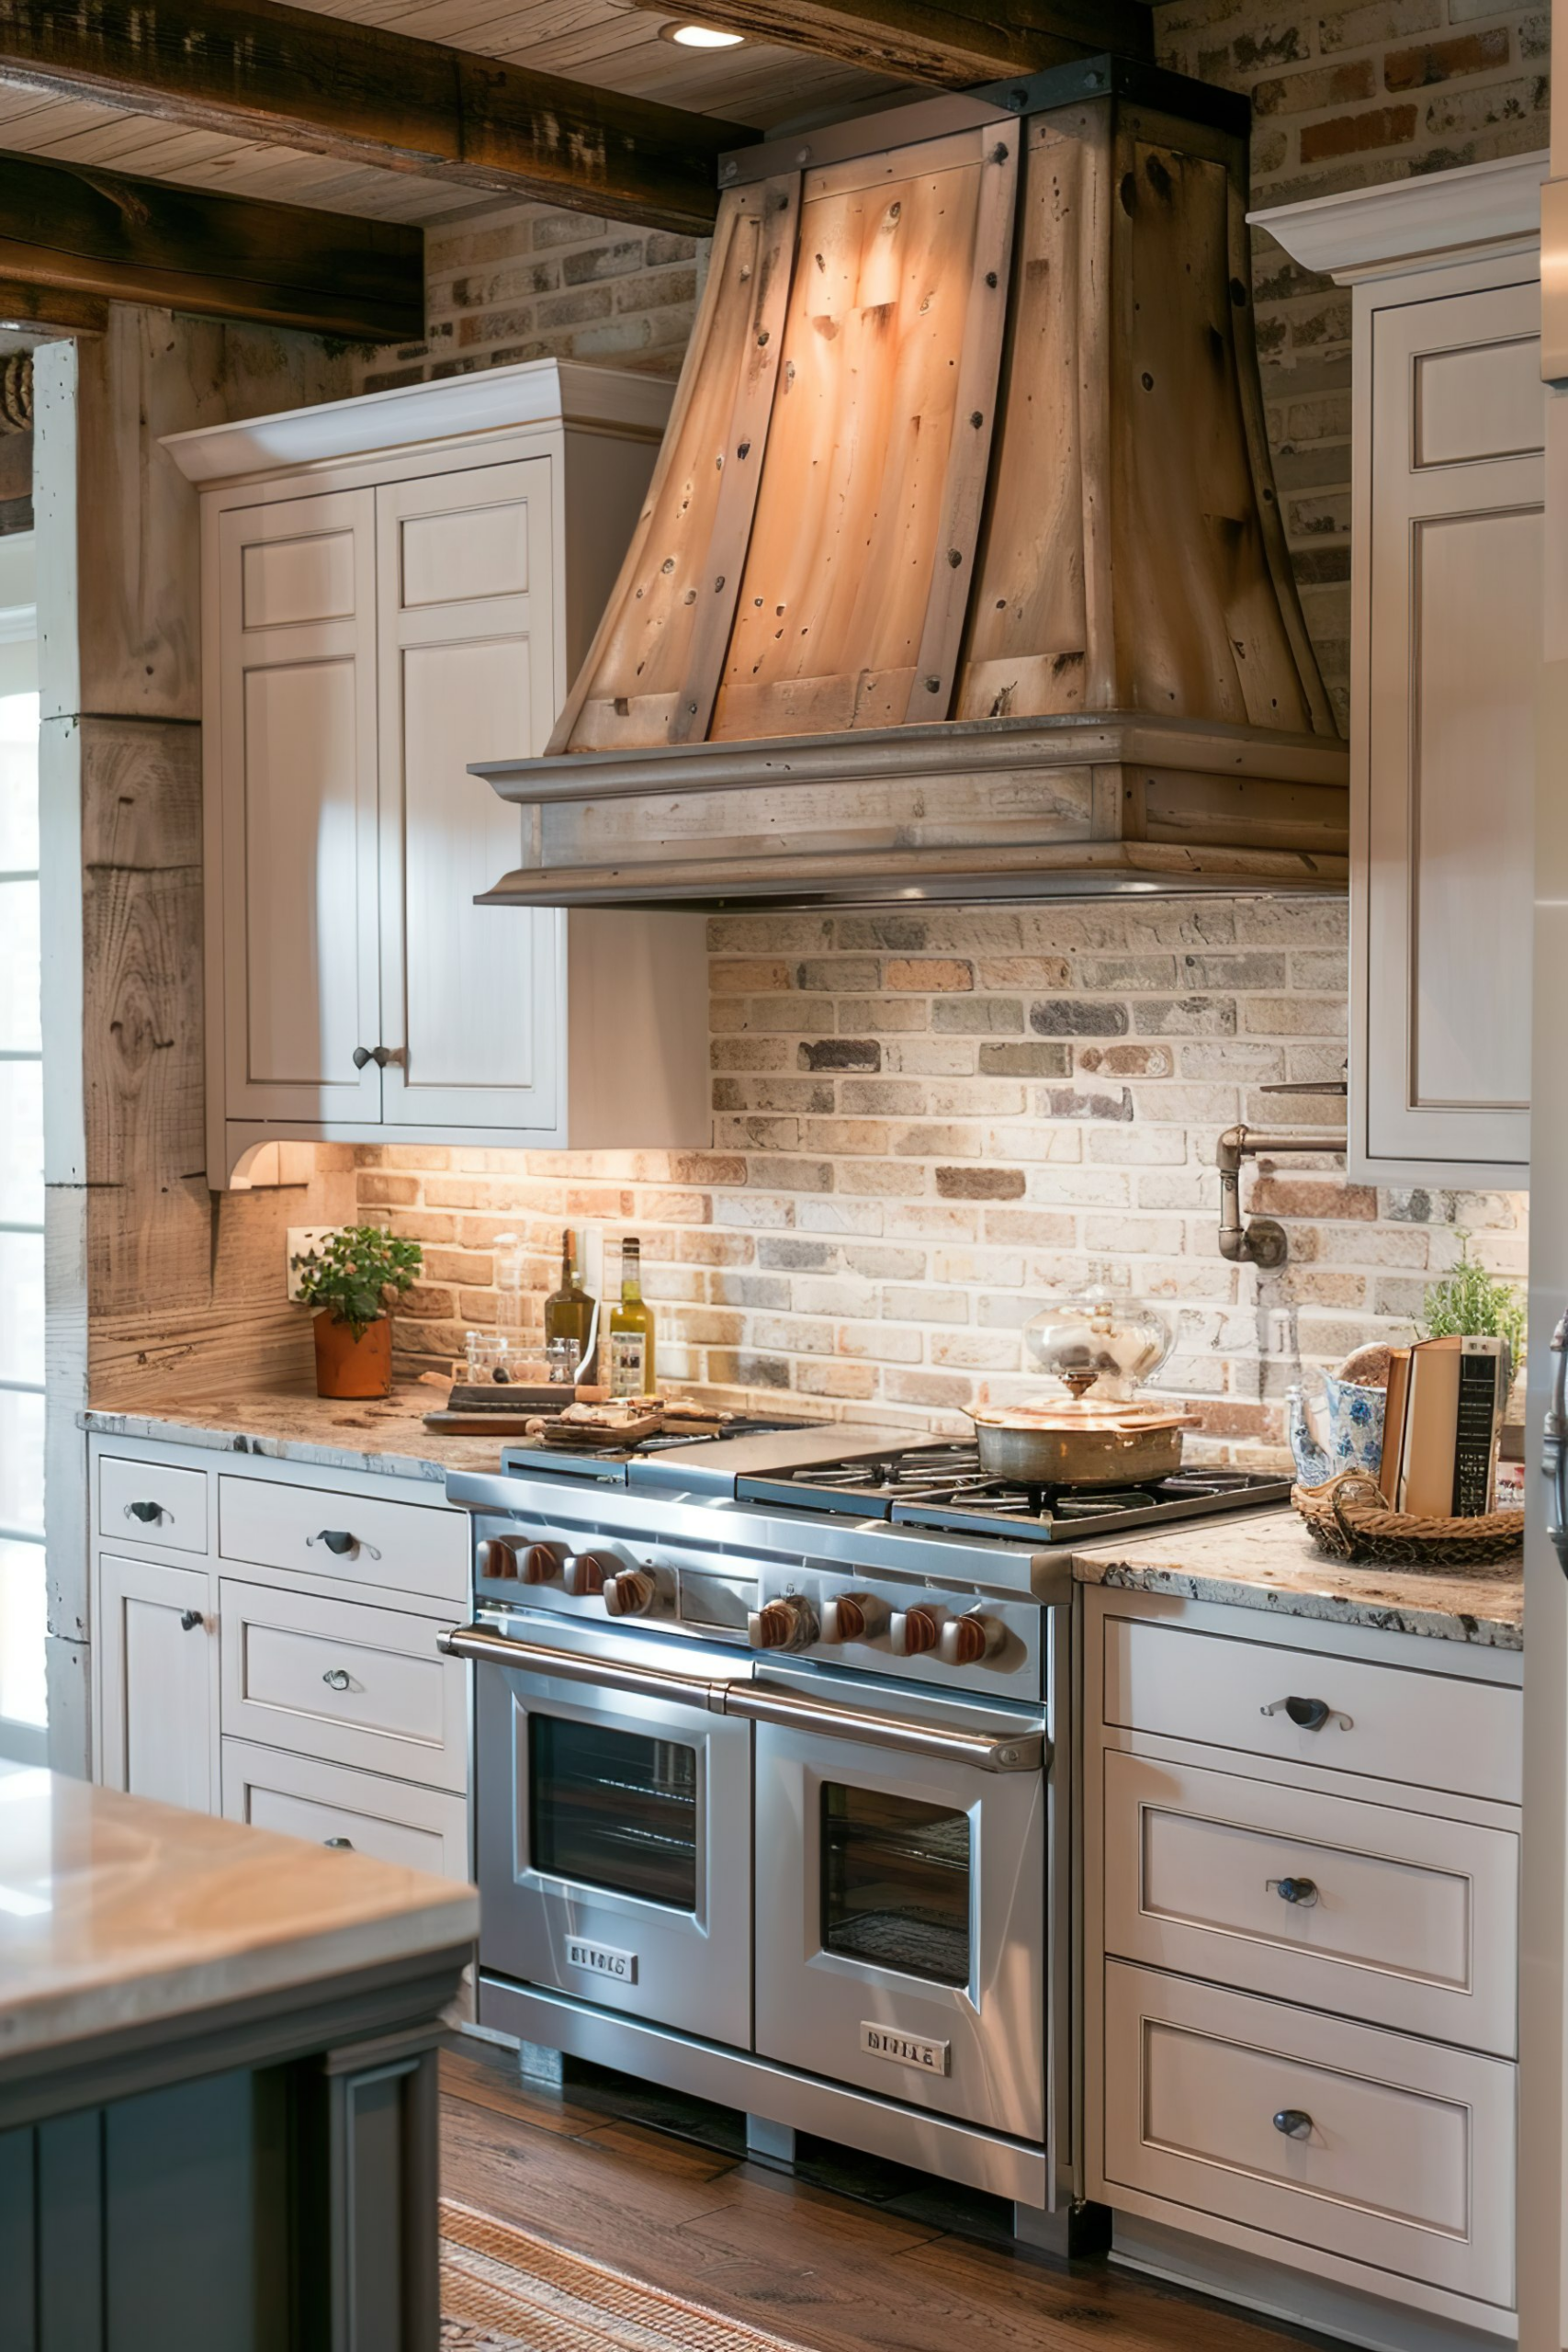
(1449, 429)
(396, 587)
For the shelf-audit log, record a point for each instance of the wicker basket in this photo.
(1347, 1518)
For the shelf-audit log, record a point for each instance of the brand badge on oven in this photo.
(904, 2049)
(601, 1960)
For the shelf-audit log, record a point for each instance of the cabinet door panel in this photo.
(159, 1681)
(467, 674)
(1449, 617)
(296, 763)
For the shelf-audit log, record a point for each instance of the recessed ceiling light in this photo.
(700, 37)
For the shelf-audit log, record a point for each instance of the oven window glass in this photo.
(896, 1883)
(609, 1808)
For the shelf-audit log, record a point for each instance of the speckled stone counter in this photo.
(1268, 1562)
(383, 1434)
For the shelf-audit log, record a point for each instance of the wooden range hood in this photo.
(961, 573)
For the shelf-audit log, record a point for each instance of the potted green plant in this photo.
(348, 1282)
(1471, 1301)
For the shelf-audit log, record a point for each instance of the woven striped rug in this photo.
(502, 2290)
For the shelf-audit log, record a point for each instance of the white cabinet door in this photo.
(296, 728)
(473, 996)
(159, 1681)
(1449, 628)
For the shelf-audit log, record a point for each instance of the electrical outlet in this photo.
(303, 1239)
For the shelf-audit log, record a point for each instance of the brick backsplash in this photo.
(925, 1124)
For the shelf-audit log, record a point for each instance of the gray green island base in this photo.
(218, 2089)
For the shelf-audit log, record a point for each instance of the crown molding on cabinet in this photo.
(492, 400)
(1413, 223)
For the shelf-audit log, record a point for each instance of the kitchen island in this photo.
(217, 2081)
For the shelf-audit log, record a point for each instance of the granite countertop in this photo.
(1268, 1561)
(116, 1912)
(383, 1434)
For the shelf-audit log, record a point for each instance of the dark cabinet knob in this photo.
(190, 1618)
(346, 1844)
(145, 1513)
(1294, 2123)
(1310, 1714)
(362, 1054)
(1302, 1891)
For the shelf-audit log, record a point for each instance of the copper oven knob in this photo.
(586, 1573)
(965, 1641)
(630, 1594)
(785, 1624)
(913, 1632)
(540, 1565)
(854, 1617)
(496, 1557)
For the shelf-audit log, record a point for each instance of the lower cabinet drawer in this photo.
(1393, 1918)
(351, 1684)
(141, 1502)
(421, 1828)
(318, 1531)
(1330, 2137)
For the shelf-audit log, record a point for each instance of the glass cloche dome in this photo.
(1101, 1335)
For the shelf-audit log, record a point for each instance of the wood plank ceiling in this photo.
(605, 43)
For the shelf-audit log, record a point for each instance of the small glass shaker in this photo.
(560, 1360)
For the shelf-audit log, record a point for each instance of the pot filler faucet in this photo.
(1262, 1241)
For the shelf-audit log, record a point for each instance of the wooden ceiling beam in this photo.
(954, 42)
(254, 70)
(72, 239)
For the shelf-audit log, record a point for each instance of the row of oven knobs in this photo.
(793, 1623)
(625, 1592)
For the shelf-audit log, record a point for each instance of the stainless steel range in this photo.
(772, 1782)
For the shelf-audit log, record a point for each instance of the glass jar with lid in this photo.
(1102, 1338)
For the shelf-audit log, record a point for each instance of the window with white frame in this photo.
(23, 1710)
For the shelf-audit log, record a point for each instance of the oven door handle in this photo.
(565, 1666)
(986, 1752)
(1020, 1751)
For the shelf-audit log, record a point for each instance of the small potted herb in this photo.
(1472, 1301)
(348, 1281)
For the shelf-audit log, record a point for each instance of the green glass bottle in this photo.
(631, 1330)
(569, 1309)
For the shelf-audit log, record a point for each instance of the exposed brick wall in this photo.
(527, 282)
(926, 1124)
(1343, 97)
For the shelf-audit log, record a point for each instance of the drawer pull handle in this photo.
(1294, 2123)
(335, 1678)
(1302, 1892)
(345, 1843)
(190, 1618)
(148, 1512)
(1308, 1714)
(339, 1540)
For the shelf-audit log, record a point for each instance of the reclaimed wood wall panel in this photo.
(866, 436)
(658, 650)
(1042, 569)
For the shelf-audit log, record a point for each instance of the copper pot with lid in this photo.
(1078, 1442)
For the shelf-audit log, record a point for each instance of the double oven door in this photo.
(901, 1914)
(615, 1835)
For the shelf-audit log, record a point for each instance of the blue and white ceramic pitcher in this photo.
(1344, 1433)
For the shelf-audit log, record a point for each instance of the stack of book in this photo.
(1441, 1425)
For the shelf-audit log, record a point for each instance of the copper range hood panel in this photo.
(962, 572)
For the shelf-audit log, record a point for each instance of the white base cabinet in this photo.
(288, 1675)
(1301, 1956)
(393, 588)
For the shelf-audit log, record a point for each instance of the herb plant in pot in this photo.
(348, 1282)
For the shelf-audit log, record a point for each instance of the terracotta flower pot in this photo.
(349, 1367)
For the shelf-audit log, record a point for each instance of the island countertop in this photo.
(1266, 1560)
(116, 1913)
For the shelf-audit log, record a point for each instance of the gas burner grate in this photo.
(943, 1488)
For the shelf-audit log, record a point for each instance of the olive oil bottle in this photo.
(631, 1330)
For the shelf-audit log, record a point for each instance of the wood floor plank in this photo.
(825, 2272)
